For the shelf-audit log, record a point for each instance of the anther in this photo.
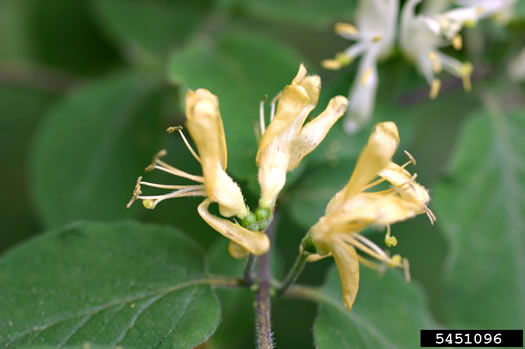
(457, 42)
(149, 204)
(156, 158)
(390, 240)
(172, 129)
(434, 88)
(366, 76)
(436, 62)
(136, 193)
(412, 159)
(345, 28)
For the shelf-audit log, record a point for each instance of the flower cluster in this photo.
(357, 207)
(421, 35)
(285, 142)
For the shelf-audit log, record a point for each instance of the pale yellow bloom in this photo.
(355, 207)
(205, 126)
(287, 140)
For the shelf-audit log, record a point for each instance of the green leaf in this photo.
(388, 313)
(63, 34)
(154, 25)
(91, 148)
(20, 109)
(481, 209)
(122, 284)
(310, 12)
(240, 69)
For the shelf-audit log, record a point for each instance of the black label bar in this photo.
(471, 338)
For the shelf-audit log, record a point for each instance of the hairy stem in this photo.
(293, 274)
(263, 307)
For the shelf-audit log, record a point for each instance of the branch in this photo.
(263, 317)
(294, 273)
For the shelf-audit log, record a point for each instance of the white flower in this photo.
(374, 35)
(422, 36)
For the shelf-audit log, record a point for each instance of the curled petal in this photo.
(237, 251)
(313, 133)
(348, 267)
(255, 242)
(402, 180)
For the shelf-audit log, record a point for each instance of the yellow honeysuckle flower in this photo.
(204, 124)
(287, 140)
(355, 207)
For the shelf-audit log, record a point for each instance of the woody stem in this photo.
(263, 303)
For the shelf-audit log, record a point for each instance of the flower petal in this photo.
(376, 155)
(315, 131)
(296, 102)
(255, 242)
(204, 122)
(348, 267)
(372, 208)
(237, 251)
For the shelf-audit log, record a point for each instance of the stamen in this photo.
(331, 64)
(412, 158)
(434, 88)
(457, 42)
(373, 251)
(431, 216)
(172, 129)
(262, 122)
(345, 28)
(376, 38)
(395, 261)
(345, 58)
(406, 269)
(466, 72)
(436, 62)
(369, 247)
(150, 202)
(188, 145)
(274, 104)
(167, 186)
(136, 193)
(367, 263)
(390, 240)
(373, 184)
(176, 172)
(366, 76)
(156, 158)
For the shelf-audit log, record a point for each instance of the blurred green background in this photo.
(87, 89)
